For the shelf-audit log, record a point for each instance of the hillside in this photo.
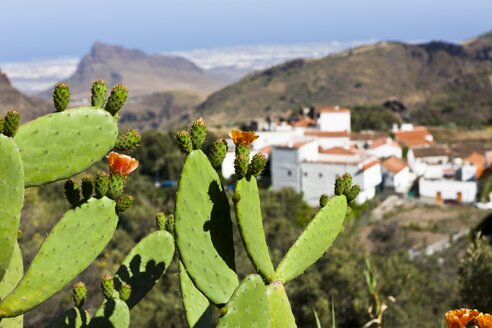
(437, 82)
(11, 98)
(144, 74)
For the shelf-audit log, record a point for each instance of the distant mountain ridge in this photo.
(437, 82)
(143, 74)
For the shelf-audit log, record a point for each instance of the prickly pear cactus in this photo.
(248, 306)
(279, 307)
(72, 318)
(203, 229)
(112, 314)
(71, 246)
(12, 276)
(11, 198)
(62, 144)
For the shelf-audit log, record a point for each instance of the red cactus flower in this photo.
(460, 318)
(243, 138)
(121, 164)
(484, 320)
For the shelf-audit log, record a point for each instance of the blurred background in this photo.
(415, 77)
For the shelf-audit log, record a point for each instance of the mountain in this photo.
(143, 74)
(435, 82)
(11, 98)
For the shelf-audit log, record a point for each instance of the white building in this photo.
(334, 119)
(396, 174)
(431, 161)
(329, 139)
(385, 147)
(442, 190)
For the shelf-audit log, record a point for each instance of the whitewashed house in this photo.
(430, 161)
(385, 147)
(396, 174)
(442, 190)
(334, 119)
(329, 139)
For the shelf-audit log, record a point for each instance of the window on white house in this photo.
(289, 173)
(320, 175)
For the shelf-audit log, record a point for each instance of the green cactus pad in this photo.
(280, 312)
(315, 240)
(12, 276)
(73, 243)
(198, 311)
(60, 145)
(248, 214)
(145, 264)
(11, 198)
(203, 229)
(72, 318)
(112, 314)
(248, 307)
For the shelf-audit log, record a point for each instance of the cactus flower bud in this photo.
(101, 184)
(121, 164)
(87, 187)
(323, 200)
(11, 123)
(107, 285)
(79, 293)
(257, 164)
(339, 186)
(198, 132)
(125, 291)
(116, 99)
(217, 152)
(352, 193)
(61, 96)
(116, 185)
(243, 138)
(160, 221)
(241, 165)
(99, 93)
(347, 180)
(124, 202)
(72, 192)
(170, 224)
(183, 140)
(128, 141)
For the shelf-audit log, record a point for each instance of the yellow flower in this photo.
(484, 320)
(460, 318)
(243, 138)
(121, 164)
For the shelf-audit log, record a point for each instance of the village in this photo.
(308, 153)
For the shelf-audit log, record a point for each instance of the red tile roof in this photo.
(326, 134)
(336, 151)
(393, 164)
(304, 123)
(370, 164)
(383, 141)
(416, 137)
(478, 160)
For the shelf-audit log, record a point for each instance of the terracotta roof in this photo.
(416, 137)
(336, 151)
(304, 123)
(478, 160)
(294, 145)
(326, 134)
(370, 164)
(383, 141)
(393, 164)
(431, 151)
(332, 109)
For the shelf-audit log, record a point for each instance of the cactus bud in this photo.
(107, 285)
(72, 192)
(257, 164)
(125, 291)
(116, 99)
(116, 185)
(101, 184)
(124, 202)
(352, 193)
(236, 197)
(170, 224)
(184, 141)
(241, 165)
(347, 179)
(11, 123)
(19, 234)
(61, 96)
(87, 187)
(217, 152)
(339, 186)
(160, 221)
(323, 200)
(79, 293)
(99, 92)
(198, 132)
(128, 141)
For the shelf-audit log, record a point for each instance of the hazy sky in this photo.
(35, 29)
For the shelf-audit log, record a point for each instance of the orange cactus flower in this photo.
(484, 320)
(460, 318)
(243, 138)
(121, 164)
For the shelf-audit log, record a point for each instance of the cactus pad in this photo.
(113, 313)
(59, 145)
(73, 243)
(248, 213)
(248, 307)
(198, 310)
(11, 198)
(203, 229)
(72, 318)
(280, 312)
(315, 240)
(12, 276)
(145, 264)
